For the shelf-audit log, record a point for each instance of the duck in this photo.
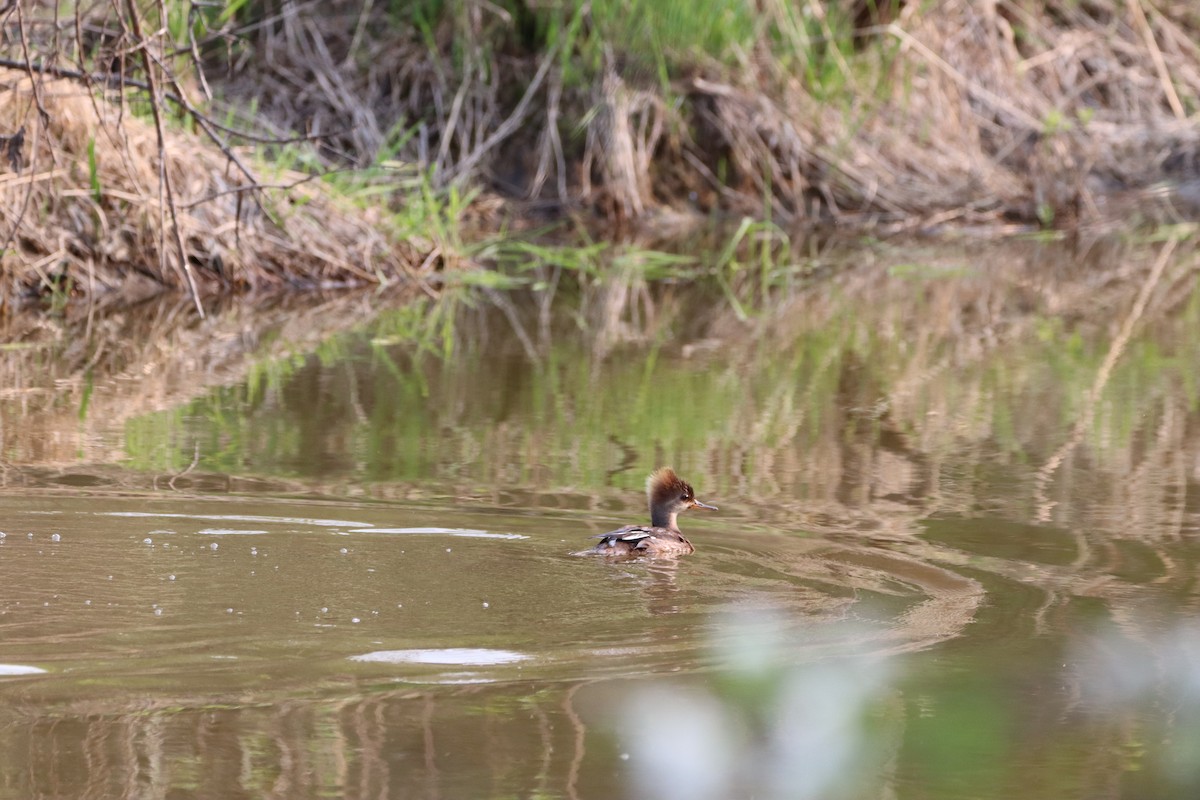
(668, 495)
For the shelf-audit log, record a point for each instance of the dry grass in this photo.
(88, 211)
(953, 112)
(968, 119)
(948, 111)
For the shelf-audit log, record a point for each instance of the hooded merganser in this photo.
(668, 495)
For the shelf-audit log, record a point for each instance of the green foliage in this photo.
(93, 170)
(89, 385)
(1045, 214)
(232, 9)
(684, 29)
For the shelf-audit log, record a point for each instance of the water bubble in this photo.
(213, 546)
(485, 605)
(87, 602)
(253, 551)
(29, 536)
(147, 540)
(229, 611)
(324, 609)
(3, 535)
(343, 551)
(170, 577)
(355, 620)
(54, 537)
(158, 612)
(447, 549)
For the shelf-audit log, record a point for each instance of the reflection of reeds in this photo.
(1103, 373)
(382, 744)
(919, 383)
(784, 695)
(931, 384)
(70, 384)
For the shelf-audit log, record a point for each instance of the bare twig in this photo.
(118, 80)
(164, 174)
(986, 95)
(1160, 64)
(510, 125)
(43, 117)
(254, 187)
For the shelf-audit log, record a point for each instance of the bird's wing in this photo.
(630, 533)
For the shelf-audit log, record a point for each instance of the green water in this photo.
(955, 556)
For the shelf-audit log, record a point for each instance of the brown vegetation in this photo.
(1052, 114)
(98, 202)
(1040, 113)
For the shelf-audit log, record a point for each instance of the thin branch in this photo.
(987, 96)
(208, 198)
(163, 173)
(1156, 56)
(43, 117)
(510, 125)
(117, 81)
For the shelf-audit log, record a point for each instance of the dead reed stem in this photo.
(936, 114)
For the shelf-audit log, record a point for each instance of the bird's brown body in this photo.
(668, 496)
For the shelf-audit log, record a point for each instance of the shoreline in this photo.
(914, 119)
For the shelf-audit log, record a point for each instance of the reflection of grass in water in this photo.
(837, 384)
(745, 262)
(779, 393)
(234, 423)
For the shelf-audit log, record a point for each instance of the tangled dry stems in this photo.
(971, 120)
(91, 215)
(1057, 113)
(955, 110)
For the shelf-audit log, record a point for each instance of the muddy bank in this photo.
(187, 156)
